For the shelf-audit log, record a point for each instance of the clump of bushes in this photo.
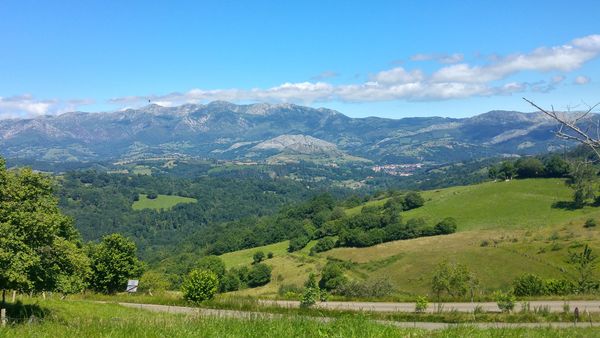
(324, 244)
(200, 285)
(533, 285)
(151, 195)
(590, 223)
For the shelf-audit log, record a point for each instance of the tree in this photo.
(212, 263)
(554, 166)
(311, 292)
(507, 171)
(40, 249)
(332, 277)
(453, 279)
(413, 200)
(582, 181)
(584, 263)
(114, 261)
(529, 167)
(230, 282)
(153, 281)
(571, 128)
(258, 257)
(200, 285)
(259, 275)
(445, 226)
(529, 285)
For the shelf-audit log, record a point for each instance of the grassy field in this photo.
(85, 319)
(164, 202)
(505, 230)
(516, 204)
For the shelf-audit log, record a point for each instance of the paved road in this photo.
(553, 306)
(419, 325)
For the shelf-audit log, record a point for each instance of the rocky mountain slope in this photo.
(258, 131)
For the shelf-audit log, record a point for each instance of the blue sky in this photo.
(382, 58)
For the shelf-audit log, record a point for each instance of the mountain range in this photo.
(224, 130)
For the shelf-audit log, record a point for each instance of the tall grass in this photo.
(83, 319)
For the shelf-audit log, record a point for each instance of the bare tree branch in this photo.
(569, 130)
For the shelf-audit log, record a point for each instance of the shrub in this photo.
(311, 292)
(413, 200)
(332, 277)
(289, 289)
(200, 285)
(559, 287)
(298, 243)
(323, 244)
(528, 285)
(421, 304)
(505, 301)
(151, 195)
(374, 288)
(258, 257)
(259, 275)
(230, 282)
(590, 223)
(153, 281)
(212, 263)
(446, 226)
(270, 255)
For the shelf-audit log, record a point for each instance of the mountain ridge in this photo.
(225, 130)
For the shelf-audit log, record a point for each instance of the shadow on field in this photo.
(25, 313)
(566, 205)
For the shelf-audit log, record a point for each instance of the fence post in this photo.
(3, 317)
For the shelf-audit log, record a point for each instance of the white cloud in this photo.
(581, 80)
(397, 75)
(442, 58)
(459, 80)
(24, 106)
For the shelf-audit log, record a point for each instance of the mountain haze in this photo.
(225, 130)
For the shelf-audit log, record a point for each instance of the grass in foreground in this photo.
(164, 202)
(83, 319)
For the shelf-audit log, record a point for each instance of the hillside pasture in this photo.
(161, 202)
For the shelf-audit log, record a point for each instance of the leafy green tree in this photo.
(453, 279)
(200, 285)
(555, 166)
(258, 257)
(446, 226)
(311, 292)
(529, 167)
(505, 301)
(584, 263)
(323, 244)
(298, 243)
(230, 282)
(259, 275)
(153, 281)
(507, 170)
(421, 304)
(332, 277)
(39, 247)
(114, 261)
(582, 181)
(529, 285)
(212, 263)
(413, 200)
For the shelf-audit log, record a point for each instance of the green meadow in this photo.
(163, 202)
(505, 229)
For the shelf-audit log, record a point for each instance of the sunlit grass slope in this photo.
(160, 202)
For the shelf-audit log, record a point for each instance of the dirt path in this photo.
(262, 315)
(553, 306)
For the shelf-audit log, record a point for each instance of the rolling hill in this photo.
(504, 230)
